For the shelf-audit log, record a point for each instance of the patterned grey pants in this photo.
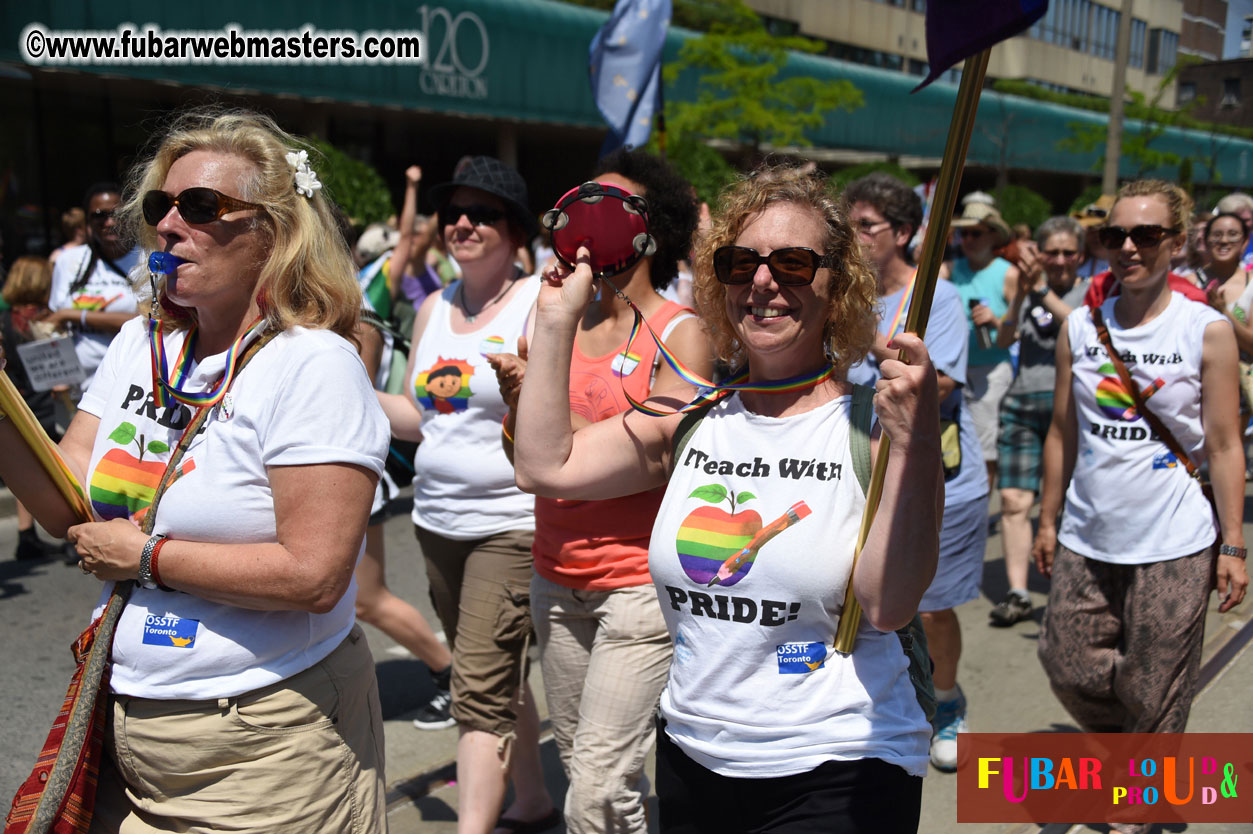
(1121, 644)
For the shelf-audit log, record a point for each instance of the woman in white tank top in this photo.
(1132, 562)
(765, 724)
(474, 525)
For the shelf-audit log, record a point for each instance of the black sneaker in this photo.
(1010, 610)
(434, 715)
(29, 547)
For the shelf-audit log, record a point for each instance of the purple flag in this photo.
(957, 29)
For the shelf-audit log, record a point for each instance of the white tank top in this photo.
(756, 689)
(1130, 502)
(463, 487)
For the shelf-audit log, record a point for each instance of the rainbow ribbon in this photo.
(709, 391)
(162, 388)
(904, 305)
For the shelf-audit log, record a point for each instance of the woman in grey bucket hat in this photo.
(489, 174)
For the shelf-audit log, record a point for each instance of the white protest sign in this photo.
(51, 362)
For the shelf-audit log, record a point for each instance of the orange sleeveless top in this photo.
(603, 545)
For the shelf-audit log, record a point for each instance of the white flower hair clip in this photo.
(306, 180)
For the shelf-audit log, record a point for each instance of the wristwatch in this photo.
(1231, 550)
(145, 564)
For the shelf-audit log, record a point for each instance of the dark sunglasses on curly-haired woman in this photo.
(1146, 237)
(794, 266)
(195, 205)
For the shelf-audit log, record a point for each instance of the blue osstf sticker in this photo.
(800, 658)
(169, 630)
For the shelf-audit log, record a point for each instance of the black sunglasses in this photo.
(101, 214)
(195, 205)
(1113, 237)
(794, 266)
(478, 215)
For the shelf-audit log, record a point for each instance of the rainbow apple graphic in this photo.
(123, 485)
(711, 535)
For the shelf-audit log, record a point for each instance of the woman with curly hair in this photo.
(765, 726)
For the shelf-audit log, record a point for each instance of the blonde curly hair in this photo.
(852, 315)
(309, 278)
(1177, 201)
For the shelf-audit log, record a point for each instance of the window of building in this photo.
(1139, 31)
(1231, 93)
(1187, 92)
(1163, 49)
(919, 5)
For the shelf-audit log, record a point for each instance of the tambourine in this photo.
(610, 221)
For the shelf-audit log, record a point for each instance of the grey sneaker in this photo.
(1010, 610)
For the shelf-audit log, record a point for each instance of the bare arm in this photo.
(320, 513)
(620, 456)
(401, 409)
(95, 319)
(404, 245)
(899, 559)
(1060, 447)
(1220, 419)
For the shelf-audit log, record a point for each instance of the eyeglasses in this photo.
(195, 205)
(478, 215)
(794, 266)
(1220, 237)
(973, 231)
(1060, 253)
(1145, 237)
(101, 215)
(872, 227)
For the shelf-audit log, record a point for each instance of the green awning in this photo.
(526, 60)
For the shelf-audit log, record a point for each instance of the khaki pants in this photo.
(304, 754)
(1121, 644)
(605, 656)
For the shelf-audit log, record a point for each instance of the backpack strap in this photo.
(860, 421)
(687, 427)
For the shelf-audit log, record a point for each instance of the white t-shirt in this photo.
(106, 290)
(463, 486)
(1130, 501)
(303, 399)
(756, 689)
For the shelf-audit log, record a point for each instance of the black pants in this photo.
(868, 795)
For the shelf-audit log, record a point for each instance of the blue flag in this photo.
(624, 64)
(957, 29)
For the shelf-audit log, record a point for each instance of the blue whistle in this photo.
(163, 263)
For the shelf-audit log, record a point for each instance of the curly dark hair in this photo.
(892, 198)
(672, 208)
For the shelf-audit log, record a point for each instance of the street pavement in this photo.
(44, 605)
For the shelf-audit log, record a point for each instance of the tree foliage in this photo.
(742, 97)
(700, 164)
(1019, 204)
(355, 186)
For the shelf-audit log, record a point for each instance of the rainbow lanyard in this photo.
(709, 390)
(906, 297)
(162, 388)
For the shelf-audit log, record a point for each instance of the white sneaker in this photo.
(950, 719)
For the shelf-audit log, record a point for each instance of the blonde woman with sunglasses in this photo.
(1134, 557)
(243, 693)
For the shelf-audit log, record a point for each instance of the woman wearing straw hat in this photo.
(985, 283)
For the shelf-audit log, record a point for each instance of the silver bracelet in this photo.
(1232, 550)
(145, 563)
(82, 319)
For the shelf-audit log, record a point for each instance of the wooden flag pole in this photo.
(42, 447)
(955, 147)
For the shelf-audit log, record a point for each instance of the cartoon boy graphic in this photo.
(445, 387)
